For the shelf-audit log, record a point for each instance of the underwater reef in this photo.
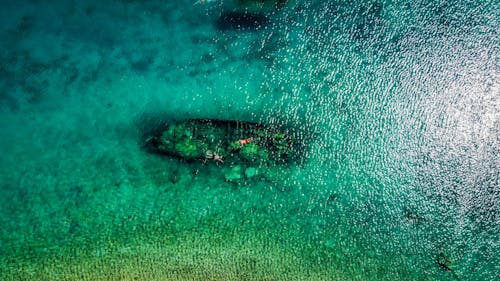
(226, 142)
(242, 150)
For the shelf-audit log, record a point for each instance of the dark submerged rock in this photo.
(241, 20)
(443, 262)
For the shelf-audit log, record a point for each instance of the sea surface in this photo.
(400, 102)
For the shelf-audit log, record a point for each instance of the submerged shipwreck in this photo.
(227, 142)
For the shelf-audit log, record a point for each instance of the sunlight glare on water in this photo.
(404, 106)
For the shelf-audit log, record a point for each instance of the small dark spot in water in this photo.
(193, 73)
(141, 65)
(412, 216)
(74, 227)
(174, 177)
(331, 198)
(26, 24)
(446, 264)
(241, 21)
(76, 189)
(443, 262)
(90, 10)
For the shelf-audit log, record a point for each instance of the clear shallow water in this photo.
(401, 174)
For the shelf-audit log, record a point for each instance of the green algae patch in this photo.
(227, 142)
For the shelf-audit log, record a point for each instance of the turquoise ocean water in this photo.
(399, 99)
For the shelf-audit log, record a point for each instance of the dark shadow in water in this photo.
(238, 20)
(152, 122)
(367, 20)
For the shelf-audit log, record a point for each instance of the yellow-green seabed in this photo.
(193, 258)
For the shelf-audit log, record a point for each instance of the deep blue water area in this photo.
(398, 102)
